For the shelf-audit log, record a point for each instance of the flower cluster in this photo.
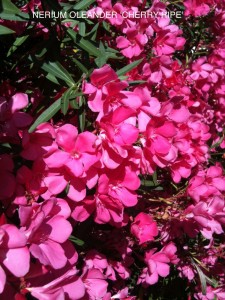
(116, 182)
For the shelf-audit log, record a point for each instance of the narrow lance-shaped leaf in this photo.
(18, 42)
(81, 115)
(11, 12)
(5, 30)
(129, 67)
(80, 66)
(83, 4)
(83, 43)
(65, 101)
(47, 114)
(56, 69)
(202, 278)
(76, 241)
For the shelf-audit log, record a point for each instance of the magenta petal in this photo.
(18, 101)
(2, 279)
(61, 229)
(83, 211)
(15, 237)
(75, 289)
(103, 75)
(122, 42)
(75, 167)
(163, 269)
(17, 261)
(66, 137)
(77, 190)
(128, 198)
(57, 159)
(152, 279)
(44, 252)
(55, 184)
(85, 142)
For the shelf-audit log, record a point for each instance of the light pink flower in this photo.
(46, 228)
(14, 254)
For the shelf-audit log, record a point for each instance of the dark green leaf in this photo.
(82, 28)
(9, 11)
(137, 82)
(65, 101)
(129, 67)
(83, 43)
(52, 78)
(202, 278)
(18, 42)
(217, 144)
(5, 30)
(76, 241)
(147, 183)
(81, 115)
(68, 97)
(46, 115)
(57, 70)
(80, 66)
(83, 4)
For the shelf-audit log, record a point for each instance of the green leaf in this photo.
(57, 70)
(80, 65)
(217, 144)
(9, 11)
(129, 67)
(76, 241)
(136, 82)
(93, 33)
(83, 43)
(154, 177)
(83, 4)
(147, 182)
(88, 47)
(65, 101)
(5, 30)
(46, 115)
(82, 115)
(18, 42)
(52, 78)
(82, 28)
(202, 278)
(74, 104)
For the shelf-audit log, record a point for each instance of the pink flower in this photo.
(46, 228)
(13, 252)
(104, 82)
(197, 8)
(95, 284)
(38, 143)
(201, 69)
(121, 184)
(11, 118)
(144, 228)
(132, 45)
(66, 285)
(206, 183)
(158, 143)
(168, 40)
(158, 264)
(78, 152)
